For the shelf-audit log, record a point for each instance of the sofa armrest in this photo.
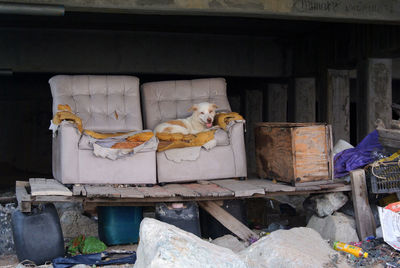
(236, 135)
(65, 152)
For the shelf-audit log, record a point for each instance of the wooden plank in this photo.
(40, 186)
(180, 190)
(226, 219)
(270, 187)
(364, 218)
(78, 189)
(101, 191)
(56, 199)
(305, 95)
(209, 190)
(155, 191)
(338, 103)
(240, 188)
(23, 198)
(130, 192)
(277, 103)
(254, 114)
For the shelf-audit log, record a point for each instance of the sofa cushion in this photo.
(222, 137)
(168, 100)
(103, 102)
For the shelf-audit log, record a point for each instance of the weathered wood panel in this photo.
(338, 110)
(155, 191)
(365, 221)
(311, 152)
(276, 108)
(226, 219)
(23, 198)
(270, 187)
(274, 152)
(41, 186)
(294, 152)
(304, 103)
(240, 188)
(180, 190)
(209, 189)
(101, 191)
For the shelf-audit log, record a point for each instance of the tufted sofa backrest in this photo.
(106, 103)
(163, 101)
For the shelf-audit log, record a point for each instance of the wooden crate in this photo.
(294, 152)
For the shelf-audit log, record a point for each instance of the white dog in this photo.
(201, 120)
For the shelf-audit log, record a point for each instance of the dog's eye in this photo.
(202, 112)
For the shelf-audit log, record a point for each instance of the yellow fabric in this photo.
(223, 119)
(167, 140)
(65, 113)
(178, 140)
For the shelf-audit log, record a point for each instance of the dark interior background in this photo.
(249, 52)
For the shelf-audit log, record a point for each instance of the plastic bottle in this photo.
(356, 251)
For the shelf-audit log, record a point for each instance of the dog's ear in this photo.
(214, 106)
(193, 108)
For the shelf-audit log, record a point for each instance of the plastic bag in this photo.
(366, 152)
(85, 245)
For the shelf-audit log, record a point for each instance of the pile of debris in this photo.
(6, 239)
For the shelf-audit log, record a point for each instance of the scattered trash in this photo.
(366, 152)
(390, 222)
(97, 259)
(85, 245)
(354, 250)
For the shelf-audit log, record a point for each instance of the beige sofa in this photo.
(168, 100)
(107, 104)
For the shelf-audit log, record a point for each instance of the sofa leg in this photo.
(149, 185)
(242, 178)
(162, 183)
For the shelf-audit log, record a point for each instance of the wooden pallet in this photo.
(44, 190)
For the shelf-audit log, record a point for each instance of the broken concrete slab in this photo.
(297, 247)
(336, 227)
(164, 245)
(325, 204)
(231, 242)
(73, 224)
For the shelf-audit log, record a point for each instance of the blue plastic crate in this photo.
(119, 225)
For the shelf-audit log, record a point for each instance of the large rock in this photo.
(164, 245)
(229, 241)
(6, 239)
(336, 227)
(73, 224)
(297, 247)
(325, 204)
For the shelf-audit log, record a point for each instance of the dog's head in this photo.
(204, 112)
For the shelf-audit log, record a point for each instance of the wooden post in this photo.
(365, 221)
(254, 112)
(374, 79)
(227, 220)
(276, 108)
(338, 110)
(304, 103)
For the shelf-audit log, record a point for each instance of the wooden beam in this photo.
(23, 198)
(343, 10)
(338, 110)
(365, 221)
(304, 103)
(374, 80)
(227, 220)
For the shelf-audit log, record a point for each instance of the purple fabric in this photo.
(363, 154)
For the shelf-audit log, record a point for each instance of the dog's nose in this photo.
(209, 120)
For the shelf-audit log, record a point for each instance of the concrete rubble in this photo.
(336, 227)
(74, 223)
(231, 242)
(164, 245)
(297, 247)
(325, 204)
(6, 239)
